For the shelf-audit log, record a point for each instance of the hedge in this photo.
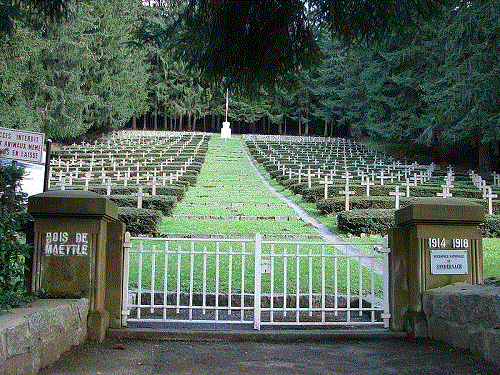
(370, 221)
(173, 190)
(163, 203)
(491, 226)
(378, 221)
(337, 204)
(140, 220)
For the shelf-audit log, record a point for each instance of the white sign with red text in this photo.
(21, 145)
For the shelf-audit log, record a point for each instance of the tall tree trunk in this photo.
(484, 158)
(325, 132)
(212, 123)
(155, 119)
(306, 126)
(194, 122)
(180, 123)
(165, 118)
(134, 122)
(284, 122)
(144, 122)
(188, 127)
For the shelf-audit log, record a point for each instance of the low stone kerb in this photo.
(466, 304)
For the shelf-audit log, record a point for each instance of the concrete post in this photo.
(436, 242)
(78, 252)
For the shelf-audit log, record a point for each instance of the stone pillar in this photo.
(435, 243)
(78, 252)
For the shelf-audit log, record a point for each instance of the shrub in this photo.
(337, 204)
(13, 253)
(368, 221)
(140, 220)
(163, 203)
(174, 190)
(491, 226)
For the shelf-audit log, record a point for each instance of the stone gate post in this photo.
(78, 252)
(435, 242)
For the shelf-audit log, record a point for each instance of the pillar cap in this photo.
(435, 211)
(72, 203)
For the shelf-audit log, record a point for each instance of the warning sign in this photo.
(21, 145)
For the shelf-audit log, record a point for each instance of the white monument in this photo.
(226, 130)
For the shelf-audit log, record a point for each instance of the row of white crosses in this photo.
(151, 178)
(391, 172)
(384, 173)
(487, 190)
(388, 174)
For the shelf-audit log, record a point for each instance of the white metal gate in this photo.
(255, 281)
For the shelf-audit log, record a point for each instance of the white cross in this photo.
(139, 196)
(103, 175)
(397, 194)
(490, 197)
(62, 183)
(368, 183)
(326, 183)
(108, 185)
(346, 193)
(496, 178)
(309, 175)
(153, 186)
(407, 184)
(382, 177)
(446, 192)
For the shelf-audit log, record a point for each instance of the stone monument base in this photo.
(226, 130)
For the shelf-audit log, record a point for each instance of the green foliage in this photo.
(78, 75)
(491, 226)
(140, 220)
(176, 191)
(337, 204)
(433, 91)
(369, 221)
(162, 203)
(260, 43)
(13, 253)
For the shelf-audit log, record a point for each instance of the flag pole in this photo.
(227, 102)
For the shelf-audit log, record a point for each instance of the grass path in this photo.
(228, 186)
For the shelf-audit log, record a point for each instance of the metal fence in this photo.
(255, 282)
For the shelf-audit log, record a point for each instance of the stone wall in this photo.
(466, 316)
(35, 336)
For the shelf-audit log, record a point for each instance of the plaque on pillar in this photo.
(436, 242)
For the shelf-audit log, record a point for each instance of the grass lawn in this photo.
(491, 257)
(248, 227)
(189, 262)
